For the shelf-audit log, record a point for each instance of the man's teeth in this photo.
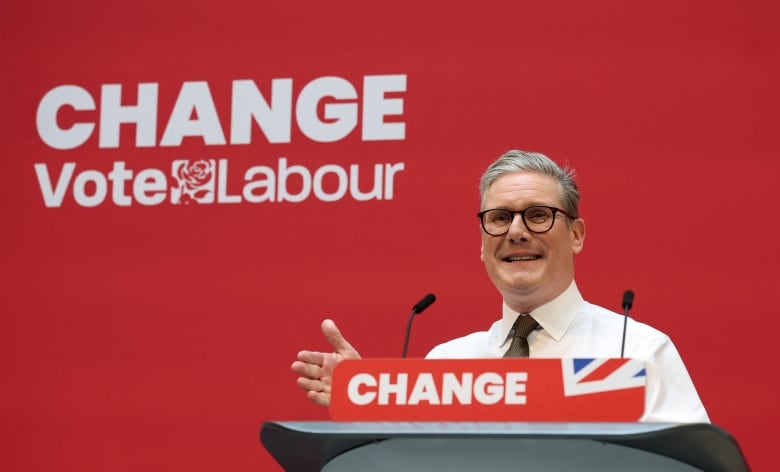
(521, 258)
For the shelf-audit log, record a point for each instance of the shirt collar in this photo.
(554, 316)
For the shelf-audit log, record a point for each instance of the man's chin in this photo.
(520, 274)
(519, 284)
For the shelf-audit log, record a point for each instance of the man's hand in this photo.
(316, 368)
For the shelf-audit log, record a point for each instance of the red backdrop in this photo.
(153, 335)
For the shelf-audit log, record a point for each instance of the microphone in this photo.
(418, 307)
(628, 302)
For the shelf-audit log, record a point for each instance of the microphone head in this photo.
(628, 299)
(424, 303)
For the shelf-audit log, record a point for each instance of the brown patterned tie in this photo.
(522, 328)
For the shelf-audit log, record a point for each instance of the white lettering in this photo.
(326, 110)
(390, 171)
(194, 99)
(284, 173)
(376, 107)
(53, 197)
(488, 388)
(353, 389)
(248, 103)
(222, 176)
(457, 388)
(354, 185)
(341, 118)
(113, 113)
(285, 183)
(46, 117)
(387, 388)
(424, 390)
(118, 176)
(268, 184)
(149, 187)
(341, 176)
(80, 194)
(515, 387)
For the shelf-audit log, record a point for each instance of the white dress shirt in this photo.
(570, 327)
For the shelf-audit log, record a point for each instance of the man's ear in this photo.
(577, 235)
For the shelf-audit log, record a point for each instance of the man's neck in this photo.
(528, 302)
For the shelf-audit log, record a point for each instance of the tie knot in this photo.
(522, 328)
(524, 325)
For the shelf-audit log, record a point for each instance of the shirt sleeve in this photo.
(670, 396)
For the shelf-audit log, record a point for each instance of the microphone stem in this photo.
(625, 323)
(408, 331)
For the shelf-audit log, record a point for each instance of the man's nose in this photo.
(517, 229)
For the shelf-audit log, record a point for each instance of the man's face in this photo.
(530, 269)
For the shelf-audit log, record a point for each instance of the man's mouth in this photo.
(521, 258)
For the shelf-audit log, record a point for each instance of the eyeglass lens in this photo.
(537, 219)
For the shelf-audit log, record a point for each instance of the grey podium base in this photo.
(453, 447)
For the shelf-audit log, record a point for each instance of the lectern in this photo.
(501, 415)
(489, 446)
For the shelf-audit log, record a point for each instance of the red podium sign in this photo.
(574, 390)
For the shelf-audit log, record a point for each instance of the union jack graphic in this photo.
(584, 376)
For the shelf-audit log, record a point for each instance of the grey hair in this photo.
(523, 161)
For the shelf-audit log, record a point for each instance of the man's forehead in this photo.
(524, 184)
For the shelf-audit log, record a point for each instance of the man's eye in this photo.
(501, 218)
(538, 215)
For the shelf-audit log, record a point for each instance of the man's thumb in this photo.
(339, 344)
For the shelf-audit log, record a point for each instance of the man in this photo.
(531, 231)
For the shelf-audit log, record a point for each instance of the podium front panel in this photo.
(524, 454)
(455, 446)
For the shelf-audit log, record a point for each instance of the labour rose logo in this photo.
(193, 182)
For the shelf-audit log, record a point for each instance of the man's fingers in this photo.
(322, 399)
(312, 357)
(313, 385)
(316, 368)
(316, 391)
(337, 341)
(306, 369)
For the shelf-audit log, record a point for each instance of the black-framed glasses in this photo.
(538, 219)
